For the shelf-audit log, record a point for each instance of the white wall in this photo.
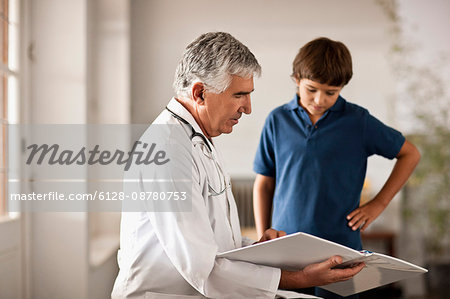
(274, 31)
(424, 29)
(108, 83)
(58, 245)
(78, 73)
(108, 62)
(58, 66)
(11, 284)
(424, 26)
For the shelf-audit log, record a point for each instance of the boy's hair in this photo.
(325, 61)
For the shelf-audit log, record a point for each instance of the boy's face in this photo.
(317, 98)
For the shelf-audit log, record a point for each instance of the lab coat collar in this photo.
(179, 109)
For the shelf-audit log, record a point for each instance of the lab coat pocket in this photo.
(154, 295)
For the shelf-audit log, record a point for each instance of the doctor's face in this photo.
(317, 98)
(222, 111)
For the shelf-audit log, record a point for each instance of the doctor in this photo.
(172, 254)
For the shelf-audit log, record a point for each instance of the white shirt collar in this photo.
(182, 112)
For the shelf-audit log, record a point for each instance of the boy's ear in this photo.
(198, 90)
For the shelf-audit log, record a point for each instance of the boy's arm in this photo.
(263, 190)
(407, 159)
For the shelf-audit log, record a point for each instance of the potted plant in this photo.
(426, 197)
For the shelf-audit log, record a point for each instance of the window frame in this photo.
(4, 16)
(9, 102)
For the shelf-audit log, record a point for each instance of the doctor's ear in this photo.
(198, 91)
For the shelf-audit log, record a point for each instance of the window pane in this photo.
(3, 43)
(3, 98)
(13, 100)
(9, 22)
(2, 193)
(3, 166)
(2, 10)
(13, 13)
(2, 102)
(2, 148)
(13, 47)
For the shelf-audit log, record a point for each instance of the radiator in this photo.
(243, 195)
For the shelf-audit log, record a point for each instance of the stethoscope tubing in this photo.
(194, 133)
(197, 134)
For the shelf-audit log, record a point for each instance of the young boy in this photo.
(312, 157)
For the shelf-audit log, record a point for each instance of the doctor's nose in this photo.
(246, 106)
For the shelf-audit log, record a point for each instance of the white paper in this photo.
(282, 294)
(295, 251)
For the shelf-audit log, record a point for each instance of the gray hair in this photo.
(212, 59)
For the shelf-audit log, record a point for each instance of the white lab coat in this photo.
(173, 254)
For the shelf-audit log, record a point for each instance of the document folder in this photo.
(295, 251)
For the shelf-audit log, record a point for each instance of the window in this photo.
(9, 96)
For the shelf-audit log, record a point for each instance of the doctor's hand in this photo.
(365, 215)
(318, 274)
(270, 234)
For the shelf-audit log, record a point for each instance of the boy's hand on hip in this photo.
(364, 215)
(270, 234)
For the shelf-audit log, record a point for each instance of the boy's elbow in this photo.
(410, 153)
(418, 155)
(415, 154)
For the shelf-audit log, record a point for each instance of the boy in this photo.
(312, 157)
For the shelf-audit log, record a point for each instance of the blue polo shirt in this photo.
(319, 169)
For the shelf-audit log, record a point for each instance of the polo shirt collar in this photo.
(294, 103)
(338, 106)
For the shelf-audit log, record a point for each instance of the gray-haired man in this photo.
(173, 254)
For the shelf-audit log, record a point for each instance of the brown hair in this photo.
(325, 61)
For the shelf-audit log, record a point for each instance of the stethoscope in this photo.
(194, 133)
(220, 172)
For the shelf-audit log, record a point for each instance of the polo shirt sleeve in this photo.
(264, 162)
(381, 139)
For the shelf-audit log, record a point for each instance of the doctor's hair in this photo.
(212, 59)
(325, 61)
